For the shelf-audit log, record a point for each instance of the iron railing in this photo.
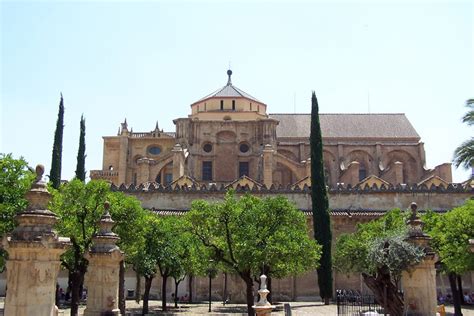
(353, 303)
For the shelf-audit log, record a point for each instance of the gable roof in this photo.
(342, 125)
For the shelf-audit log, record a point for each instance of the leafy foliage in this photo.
(320, 204)
(379, 252)
(451, 233)
(248, 234)
(79, 207)
(464, 153)
(81, 154)
(395, 254)
(352, 250)
(55, 173)
(15, 181)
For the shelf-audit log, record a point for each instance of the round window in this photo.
(244, 148)
(154, 150)
(207, 148)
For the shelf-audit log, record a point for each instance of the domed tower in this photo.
(225, 135)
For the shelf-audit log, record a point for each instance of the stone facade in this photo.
(349, 207)
(229, 134)
(373, 163)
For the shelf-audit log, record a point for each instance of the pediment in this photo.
(184, 181)
(371, 180)
(301, 183)
(244, 181)
(433, 180)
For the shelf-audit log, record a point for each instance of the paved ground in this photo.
(298, 309)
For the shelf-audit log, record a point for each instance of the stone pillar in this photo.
(102, 277)
(143, 170)
(123, 154)
(419, 283)
(178, 161)
(33, 256)
(268, 165)
(308, 168)
(398, 172)
(263, 307)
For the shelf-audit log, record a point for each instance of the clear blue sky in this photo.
(149, 61)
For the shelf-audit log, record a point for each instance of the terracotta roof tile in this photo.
(341, 125)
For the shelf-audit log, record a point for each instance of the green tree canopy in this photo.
(464, 153)
(379, 252)
(320, 204)
(56, 160)
(81, 153)
(450, 233)
(247, 234)
(79, 207)
(15, 181)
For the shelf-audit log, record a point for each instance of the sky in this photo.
(148, 61)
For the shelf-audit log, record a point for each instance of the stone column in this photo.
(398, 172)
(419, 283)
(33, 256)
(143, 170)
(123, 154)
(178, 161)
(102, 277)
(268, 165)
(308, 168)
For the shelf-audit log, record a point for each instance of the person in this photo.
(467, 298)
(441, 298)
(68, 294)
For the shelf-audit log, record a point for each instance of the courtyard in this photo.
(297, 309)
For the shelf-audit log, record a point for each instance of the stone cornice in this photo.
(150, 187)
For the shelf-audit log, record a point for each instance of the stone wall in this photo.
(349, 206)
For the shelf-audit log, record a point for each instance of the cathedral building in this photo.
(373, 163)
(229, 134)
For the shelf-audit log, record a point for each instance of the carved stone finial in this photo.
(105, 240)
(413, 208)
(229, 81)
(39, 172)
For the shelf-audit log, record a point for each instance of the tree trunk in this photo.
(249, 292)
(456, 294)
(138, 286)
(269, 287)
(226, 294)
(163, 293)
(461, 296)
(77, 280)
(176, 284)
(146, 294)
(380, 283)
(121, 294)
(190, 283)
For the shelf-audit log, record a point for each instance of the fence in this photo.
(353, 303)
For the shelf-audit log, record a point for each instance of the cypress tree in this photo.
(81, 154)
(320, 203)
(55, 173)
